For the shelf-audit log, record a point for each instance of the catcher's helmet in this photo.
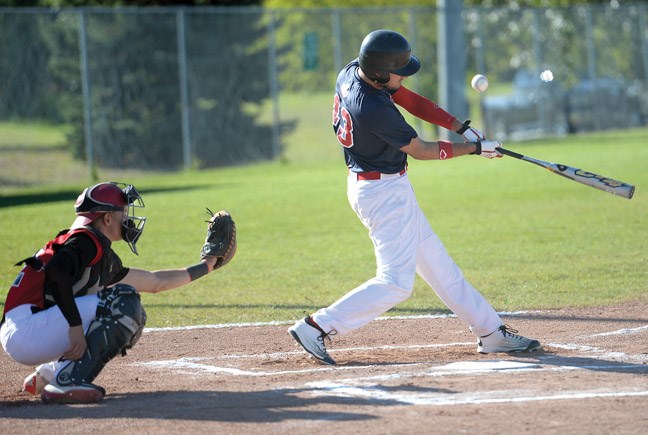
(106, 197)
(385, 51)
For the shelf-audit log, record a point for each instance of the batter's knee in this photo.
(398, 290)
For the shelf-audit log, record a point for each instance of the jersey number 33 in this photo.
(342, 123)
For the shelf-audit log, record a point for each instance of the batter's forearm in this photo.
(424, 109)
(456, 125)
(440, 150)
(458, 148)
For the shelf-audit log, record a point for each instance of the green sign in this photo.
(311, 51)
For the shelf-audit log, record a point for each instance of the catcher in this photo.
(74, 306)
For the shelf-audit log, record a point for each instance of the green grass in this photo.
(34, 135)
(35, 156)
(527, 239)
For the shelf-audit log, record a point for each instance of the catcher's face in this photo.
(123, 224)
(116, 224)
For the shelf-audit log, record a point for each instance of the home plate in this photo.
(484, 366)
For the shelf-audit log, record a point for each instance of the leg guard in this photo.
(119, 323)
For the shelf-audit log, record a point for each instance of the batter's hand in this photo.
(488, 149)
(78, 343)
(471, 134)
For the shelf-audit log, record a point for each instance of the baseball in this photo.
(546, 76)
(479, 83)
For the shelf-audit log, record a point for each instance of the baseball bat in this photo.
(580, 176)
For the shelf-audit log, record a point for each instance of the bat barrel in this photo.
(626, 191)
(591, 179)
(596, 181)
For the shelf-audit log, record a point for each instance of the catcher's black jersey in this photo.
(102, 268)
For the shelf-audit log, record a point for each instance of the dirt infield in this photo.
(400, 376)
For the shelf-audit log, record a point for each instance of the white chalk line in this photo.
(624, 331)
(190, 363)
(597, 353)
(377, 393)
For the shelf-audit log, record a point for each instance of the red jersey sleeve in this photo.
(423, 108)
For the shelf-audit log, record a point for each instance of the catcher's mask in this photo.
(385, 51)
(106, 197)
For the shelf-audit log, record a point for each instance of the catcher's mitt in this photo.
(221, 238)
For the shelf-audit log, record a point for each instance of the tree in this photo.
(133, 72)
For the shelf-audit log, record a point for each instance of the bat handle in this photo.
(509, 153)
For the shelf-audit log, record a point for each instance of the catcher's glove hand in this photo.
(221, 238)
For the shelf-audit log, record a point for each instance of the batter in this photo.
(377, 141)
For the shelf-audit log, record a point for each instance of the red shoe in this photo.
(34, 383)
(85, 393)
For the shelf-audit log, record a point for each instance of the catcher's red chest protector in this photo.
(28, 287)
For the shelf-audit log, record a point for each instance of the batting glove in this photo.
(470, 134)
(488, 149)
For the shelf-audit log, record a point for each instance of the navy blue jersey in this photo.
(368, 125)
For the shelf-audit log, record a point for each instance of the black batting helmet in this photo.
(385, 51)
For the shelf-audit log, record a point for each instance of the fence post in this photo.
(184, 92)
(452, 62)
(644, 40)
(337, 42)
(591, 64)
(87, 100)
(412, 34)
(274, 86)
(538, 55)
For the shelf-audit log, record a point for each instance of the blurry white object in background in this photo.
(546, 76)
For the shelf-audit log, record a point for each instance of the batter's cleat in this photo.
(34, 383)
(84, 393)
(505, 339)
(311, 337)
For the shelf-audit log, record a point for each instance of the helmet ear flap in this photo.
(381, 80)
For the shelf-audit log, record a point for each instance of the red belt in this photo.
(374, 175)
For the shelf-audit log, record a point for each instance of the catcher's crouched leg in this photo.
(117, 327)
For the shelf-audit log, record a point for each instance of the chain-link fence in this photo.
(170, 88)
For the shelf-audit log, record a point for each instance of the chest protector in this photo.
(30, 285)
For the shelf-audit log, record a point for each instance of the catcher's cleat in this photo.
(34, 383)
(84, 393)
(505, 339)
(311, 337)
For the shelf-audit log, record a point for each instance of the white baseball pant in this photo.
(404, 245)
(42, 337)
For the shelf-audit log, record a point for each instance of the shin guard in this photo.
(119, 322)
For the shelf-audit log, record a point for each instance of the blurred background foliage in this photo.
(298, 3)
